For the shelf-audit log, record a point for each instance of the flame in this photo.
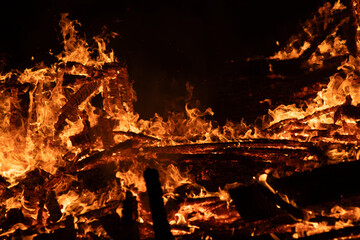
(77, 50)
(45, 121)
(43, 129)
(298, 44)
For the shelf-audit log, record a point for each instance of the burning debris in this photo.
(77, 162)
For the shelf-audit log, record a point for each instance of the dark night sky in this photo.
(164, 43)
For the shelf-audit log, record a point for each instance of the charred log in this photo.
(153, 186)
(69, 110)
(346, 233)
(324, 184)
(330, 183)
(256, 202)
(339, 18)
(53, 207)
(97, 156)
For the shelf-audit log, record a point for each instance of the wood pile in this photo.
(302, 184)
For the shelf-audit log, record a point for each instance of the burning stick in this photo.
(161, 225)
(70, 108)
(332, 27)
(137, 135)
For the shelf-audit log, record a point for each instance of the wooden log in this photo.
(280, 126)
(71, 107)
(53, 207)
(137, 135)
(338, 20)
(160, 222)
(330, 183)
(343, 233)
(256, 202)
(97, 156)
(214, 147)
(324, 184)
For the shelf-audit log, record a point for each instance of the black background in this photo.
(165, 44)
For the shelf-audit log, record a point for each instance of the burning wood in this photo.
(85, 150)
(161, 225)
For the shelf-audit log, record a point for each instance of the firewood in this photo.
(53, 207)
(324, 184)
(277, 127)
(160, 222)
(39, 218)
(71, 107)
(137, 135)
(256, 202)
(105, 131)
(130, 212)
(339, 18)
(111, 224)
(205, 148)
(118, 92)
(349, 111)
(352, 232)
(330, 183)
(97, 156)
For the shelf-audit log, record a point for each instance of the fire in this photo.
(66, 125)
(58, 123)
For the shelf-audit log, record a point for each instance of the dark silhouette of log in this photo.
(53, 206)
(153, 186)
(321, 185)
(327, 184)
(256, 202)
